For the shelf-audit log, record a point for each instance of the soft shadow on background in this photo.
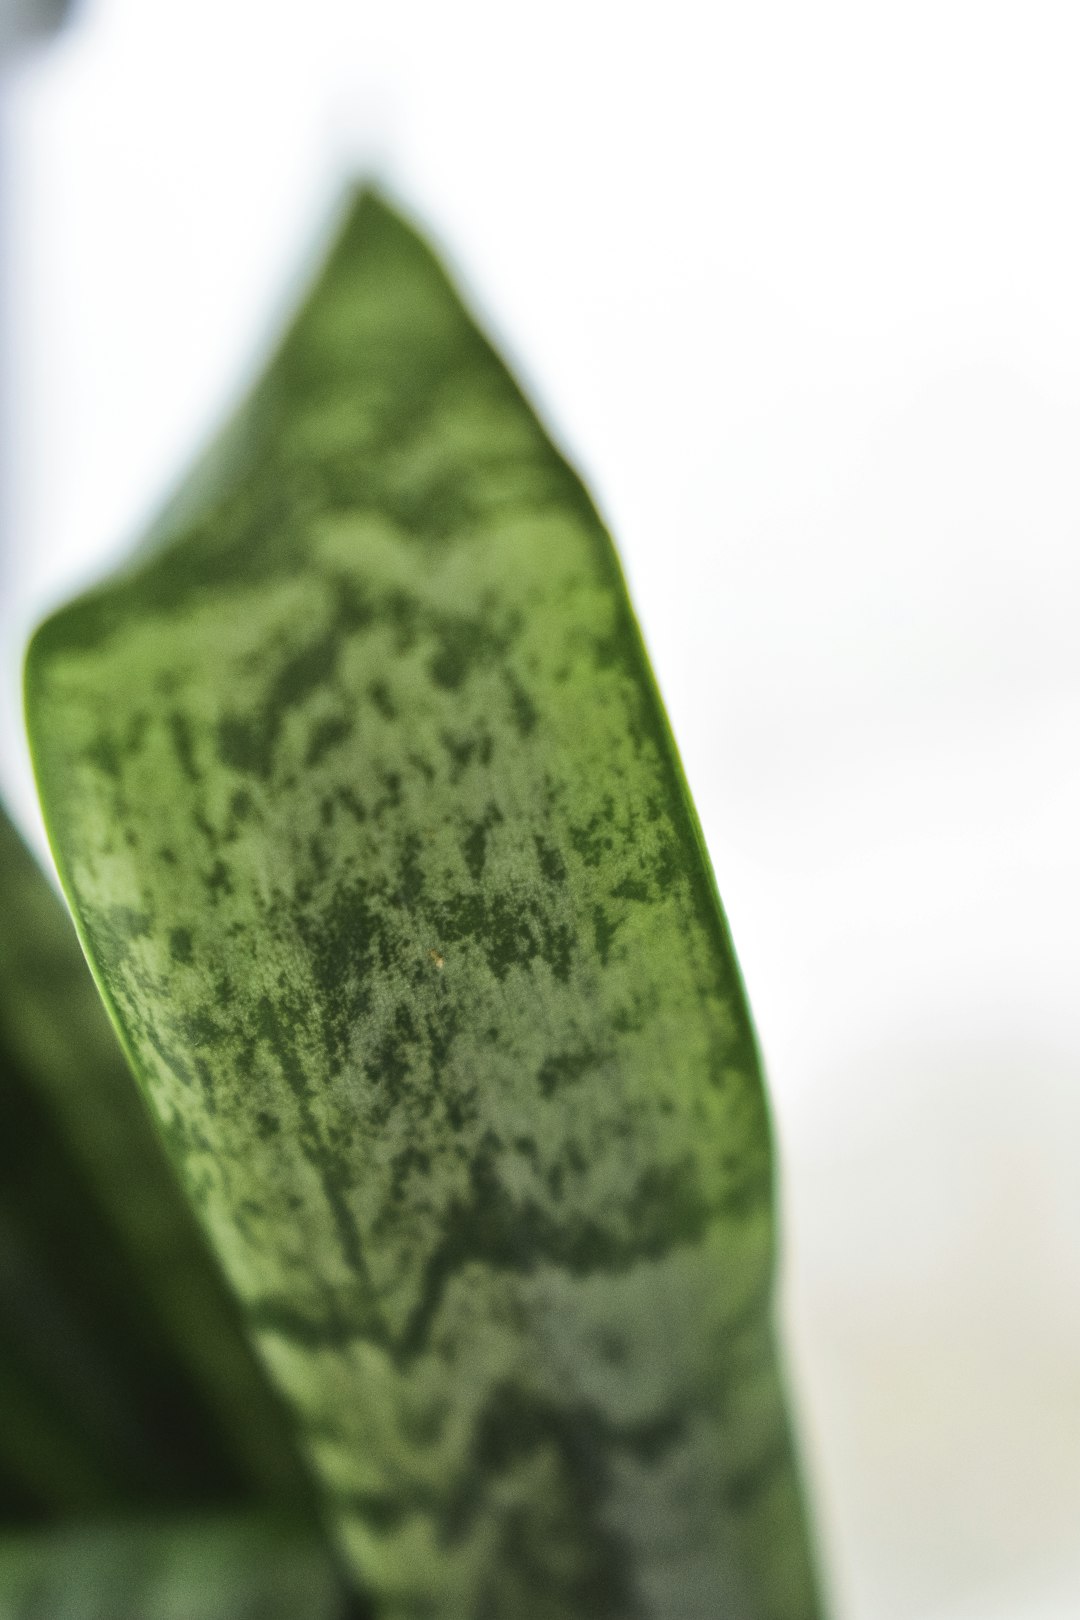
(797, 290)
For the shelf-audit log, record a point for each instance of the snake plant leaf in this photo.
(370, 818)
(127, 1374)
(226, 1568)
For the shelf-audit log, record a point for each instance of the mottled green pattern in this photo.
(195, 1569)
(369, 814)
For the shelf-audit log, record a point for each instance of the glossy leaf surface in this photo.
(370, 817)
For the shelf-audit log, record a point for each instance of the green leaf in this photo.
(197, 1569)
(46, 1462)
(126, 1374)
(366, 805)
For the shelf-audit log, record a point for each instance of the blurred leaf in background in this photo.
(90, 1201)
(227, 1568)
(126, 1383)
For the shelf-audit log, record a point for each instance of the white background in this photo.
(798, 288)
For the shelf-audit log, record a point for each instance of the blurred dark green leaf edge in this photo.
(131, 1405)
(365, 805)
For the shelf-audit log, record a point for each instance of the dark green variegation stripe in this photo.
(110, 1303)
(369, 814)
(198, 1569)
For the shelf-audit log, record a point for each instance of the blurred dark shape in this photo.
(24, 21)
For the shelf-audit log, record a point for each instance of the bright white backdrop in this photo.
(798, 288)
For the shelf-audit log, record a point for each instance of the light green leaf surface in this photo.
(368, 812)
(197, 1569)
(124, 1370)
